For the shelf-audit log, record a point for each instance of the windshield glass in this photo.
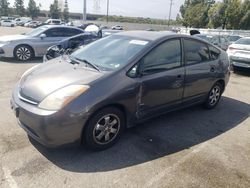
(204, 37)
(111, 52)
(245, 41)
(233, 38)
(36, 32)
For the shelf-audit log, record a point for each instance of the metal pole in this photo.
(107, 11)
(171, 4)
(84, 15)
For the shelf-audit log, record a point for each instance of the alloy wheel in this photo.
(106, 129)
(214, 95)
(23, 53)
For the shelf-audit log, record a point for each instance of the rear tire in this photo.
(23, 53)
(214, 96)
(104, 129)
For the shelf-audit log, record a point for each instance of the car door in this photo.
(162, 79)
(53, 37)
(201, 70)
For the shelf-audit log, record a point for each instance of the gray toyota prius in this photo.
(97, 92)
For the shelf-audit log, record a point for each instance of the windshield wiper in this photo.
(86, 62)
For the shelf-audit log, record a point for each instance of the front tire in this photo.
(214, 96)
(104, 129)
(23, 53)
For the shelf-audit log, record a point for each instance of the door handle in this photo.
(212, 69)
(179, 76)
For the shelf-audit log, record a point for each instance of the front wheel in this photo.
(23, 53)
(104, 129)
(213, 96)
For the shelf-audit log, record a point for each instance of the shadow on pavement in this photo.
(153, 139)
(242, 71)
(14, 61)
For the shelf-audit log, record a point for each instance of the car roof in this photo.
(148, 35)
(60, 26)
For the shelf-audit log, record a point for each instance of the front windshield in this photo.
(244, 41)
(111, 52)
(36, 32)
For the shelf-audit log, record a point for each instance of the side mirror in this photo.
(42, 36)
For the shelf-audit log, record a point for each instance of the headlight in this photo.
(62, 97)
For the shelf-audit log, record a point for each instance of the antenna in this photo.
(171, 4)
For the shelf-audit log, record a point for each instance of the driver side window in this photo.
(164, 57)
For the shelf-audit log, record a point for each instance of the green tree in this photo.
(195, 12)
(245, 20)
(217, 15)
(54, 10)
(33, 10)
(233, 14)
(196, 16)
(66, 11)
(19, 7)
(4, 7)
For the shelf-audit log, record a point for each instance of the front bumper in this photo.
(52, 129)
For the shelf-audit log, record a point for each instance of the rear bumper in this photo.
(52, 129)
(240, 62)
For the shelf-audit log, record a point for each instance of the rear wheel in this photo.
(23, 53)
(214, 96)
(104, 129)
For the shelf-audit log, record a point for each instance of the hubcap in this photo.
(106, 129)
(214, 95)
(23, 53)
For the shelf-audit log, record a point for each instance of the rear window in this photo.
(56, 22)
(195, 51)
(245, 41)
(214, 52)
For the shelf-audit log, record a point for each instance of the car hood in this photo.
(8, 38)
(53, 75)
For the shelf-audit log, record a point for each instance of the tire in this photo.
(23, 53)
(104, 129)
(214, 96)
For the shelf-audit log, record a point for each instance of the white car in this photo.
(53, 22)
(8, 23)
(21, 21)
(239, 53)
(117, 27)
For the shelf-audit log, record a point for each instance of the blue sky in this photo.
(137, 8)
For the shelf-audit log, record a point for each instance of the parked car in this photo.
(21, 21)
(8, 23)
(36, 42)
(33, 24)
(233, 38)
(239, 53)
(53, 22)
(108, 32)
(117, 27)
(217, 40)
(69, 45)
(112, 83)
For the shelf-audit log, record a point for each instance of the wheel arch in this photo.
(24, 44)
(121, 107)
(222, 83)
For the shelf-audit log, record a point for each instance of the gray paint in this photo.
(141, 97)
